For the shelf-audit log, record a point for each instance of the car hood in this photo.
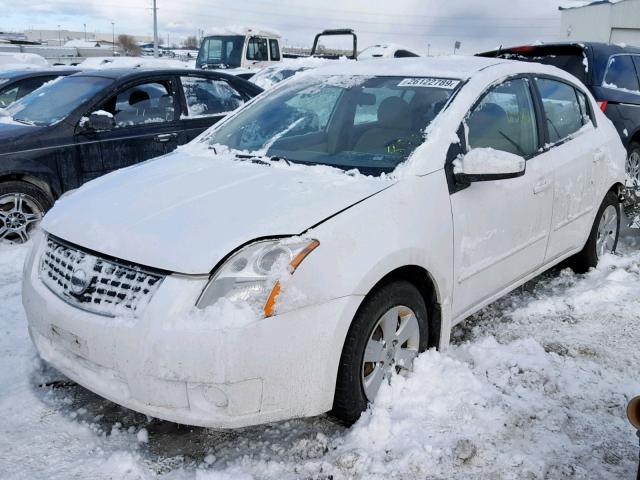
(185, 212)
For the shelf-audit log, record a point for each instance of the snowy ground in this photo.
(535, 386)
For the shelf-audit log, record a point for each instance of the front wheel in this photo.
(604, 235)
(22, 206)
(387, 334)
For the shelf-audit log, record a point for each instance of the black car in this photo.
(15, 84)
(612, 73)
(91, 123)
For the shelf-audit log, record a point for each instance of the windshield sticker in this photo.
(445, 83)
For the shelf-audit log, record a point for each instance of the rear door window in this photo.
(206, 96)
(257, 49)
(564, 116)
(621, 74)
(505, 120)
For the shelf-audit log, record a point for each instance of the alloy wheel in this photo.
(19, 216)
(607, 231)
(393, 345)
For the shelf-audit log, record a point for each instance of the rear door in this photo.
(570, 147)
(206, 100)
(146, 115)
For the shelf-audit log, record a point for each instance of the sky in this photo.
(477, 24)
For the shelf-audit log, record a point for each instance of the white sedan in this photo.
(311, 245)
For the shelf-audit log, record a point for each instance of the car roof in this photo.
(455, 66)
(40, 72)
(599, 48)
(135, 73)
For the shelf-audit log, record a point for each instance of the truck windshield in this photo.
(369, 124)
(55, 100)
(223, 51)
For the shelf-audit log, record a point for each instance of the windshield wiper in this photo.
(262, 159)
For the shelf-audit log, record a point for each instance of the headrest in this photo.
(138, 96)
(394, 112)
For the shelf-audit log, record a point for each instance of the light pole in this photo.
(113, 38)
(155, 29)
(85, 31)
(428, 50)
(59, 37)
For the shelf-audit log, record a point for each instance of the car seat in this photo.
(394, 123)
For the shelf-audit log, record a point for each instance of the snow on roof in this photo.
(587, 3)
(382, 51)
(82, 43)
(458, 66)
(98, 63)
(238, 30)
(10, 58)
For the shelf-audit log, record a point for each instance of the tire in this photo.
(397, 299)
(632, 191)
(22, 205)
(589, 256)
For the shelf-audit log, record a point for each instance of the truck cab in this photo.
(246, 48)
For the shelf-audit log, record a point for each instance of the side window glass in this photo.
(562, 110)
(367, 111)
(621, 74)
(8, 96)
(146, 103)
(584, 107)
(505, 120)
(275, 50)
(209, 97)
(257, 49)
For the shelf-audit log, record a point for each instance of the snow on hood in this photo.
(20, 60)
(184, 212)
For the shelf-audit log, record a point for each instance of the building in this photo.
(59, 38)
(609, 21)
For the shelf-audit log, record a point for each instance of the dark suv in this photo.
(91, 123)
(612, 73)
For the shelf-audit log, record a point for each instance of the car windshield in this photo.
(221, 52)
(55, 100)
(371, 124)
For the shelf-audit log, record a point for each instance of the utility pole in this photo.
(155, 29)
(59, 37)
(428, 50)
(113, 38)
(85, 31)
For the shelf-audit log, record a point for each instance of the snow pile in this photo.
(534, 386)
(98, 63)
(11, 61)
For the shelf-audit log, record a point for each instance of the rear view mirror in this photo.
(99, 121)
(486, 164)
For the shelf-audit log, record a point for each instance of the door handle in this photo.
(541, 186)
(165, 137)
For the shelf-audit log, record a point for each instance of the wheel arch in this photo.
(43, 182)
(424, 281)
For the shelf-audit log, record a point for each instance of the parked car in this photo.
(612, 74)
(91, 123)
(312, 244)
(15, 84)
(389, 50)
(271, 76)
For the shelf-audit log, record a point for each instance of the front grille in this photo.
(99, 285)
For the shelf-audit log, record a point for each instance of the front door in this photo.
(501, 227)
(146, 124)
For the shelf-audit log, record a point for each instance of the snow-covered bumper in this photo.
(163, 364)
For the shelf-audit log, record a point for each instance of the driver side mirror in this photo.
(487, 164)
(98, 121)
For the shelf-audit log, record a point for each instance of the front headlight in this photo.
(252, 274)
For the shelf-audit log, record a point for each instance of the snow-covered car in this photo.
(390, 50)
(14, 60)
(271, 76)
(298, 254)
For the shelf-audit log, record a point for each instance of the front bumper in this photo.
(167, 365)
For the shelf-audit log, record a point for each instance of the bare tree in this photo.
(191, 43)
(129, 45)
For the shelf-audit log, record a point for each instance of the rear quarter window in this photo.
(621, 74)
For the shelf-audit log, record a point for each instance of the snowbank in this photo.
(15, 61)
